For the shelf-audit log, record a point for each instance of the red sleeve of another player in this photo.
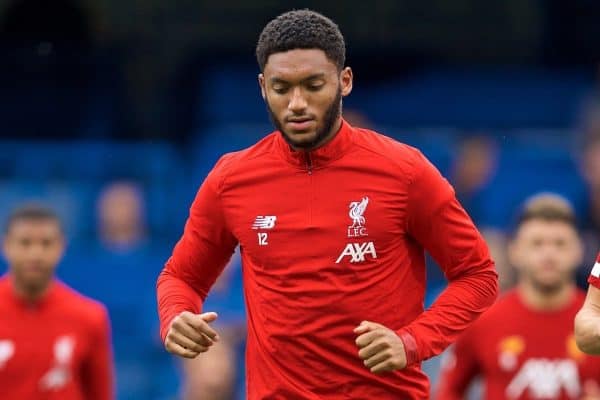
(438, 222)
(459, 366)
(199, 256)
(98, 380)
(594, 278)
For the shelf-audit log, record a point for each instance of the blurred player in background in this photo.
(524, 346)
(333, 222)
(54, 342)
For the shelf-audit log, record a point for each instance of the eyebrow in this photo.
(308, 78)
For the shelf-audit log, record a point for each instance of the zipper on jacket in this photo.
(309, 164)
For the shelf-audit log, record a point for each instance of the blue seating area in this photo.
(529, 114)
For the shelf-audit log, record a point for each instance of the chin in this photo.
(301, 139)
(549, 286)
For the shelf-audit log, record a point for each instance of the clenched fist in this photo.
(381, 348)
(190, 334)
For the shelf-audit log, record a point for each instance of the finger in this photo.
(178, 350)
(366, 338)
(373, 348)
(190, 332)
(382, 367)
(200, 325)
(209, 316)
(366, 326)
(362, 328)
(376, 359)
(187, 343)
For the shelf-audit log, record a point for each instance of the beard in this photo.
(548, 288)
(333, 112)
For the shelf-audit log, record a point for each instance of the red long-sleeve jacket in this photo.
(57, 348)
(330, 238)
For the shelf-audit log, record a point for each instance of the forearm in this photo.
(174, 296)
(459, 305)
(587, 330)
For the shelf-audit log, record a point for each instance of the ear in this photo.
(6, 247)
(346, 81)
(261, 83)
(580, 251)
(513, 253)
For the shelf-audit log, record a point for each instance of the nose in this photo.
(35, 252)
(297, 103)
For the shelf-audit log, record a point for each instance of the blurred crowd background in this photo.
(112, 112)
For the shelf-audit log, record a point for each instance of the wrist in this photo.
(410, 347)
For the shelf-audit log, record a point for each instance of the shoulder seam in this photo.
(234, 159)
(390, 159)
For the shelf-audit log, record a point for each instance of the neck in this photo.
(28, 293)
(546, 301)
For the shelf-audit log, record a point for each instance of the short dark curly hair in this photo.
(301, 29)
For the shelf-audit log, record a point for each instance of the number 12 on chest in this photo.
(262, 239)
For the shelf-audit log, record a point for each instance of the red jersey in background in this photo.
(520, 354)
(57, 348)
(330, 238)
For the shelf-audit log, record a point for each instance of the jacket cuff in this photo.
(410, 347)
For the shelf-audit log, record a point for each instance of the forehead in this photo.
(298, 63)
(35, 227)
(546, 228)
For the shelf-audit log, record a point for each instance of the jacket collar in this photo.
(321, 156)
(7, 286)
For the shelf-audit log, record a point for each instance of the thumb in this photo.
(209, 316)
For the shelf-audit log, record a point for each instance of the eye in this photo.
(314, 87)
(280, 89)
(560, 243)
(537, 242)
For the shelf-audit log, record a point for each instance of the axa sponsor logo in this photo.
(544, 378)
(358, 252)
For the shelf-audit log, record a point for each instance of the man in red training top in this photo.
(333, 222)
(524, 346)
(54, 343)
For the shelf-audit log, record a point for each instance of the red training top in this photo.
(329, 238)
(520, 354)
(57, 348)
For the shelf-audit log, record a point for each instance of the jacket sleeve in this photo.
(460, 366)
(98, 373)
(199, 256)
(594, 278)
(437, 221)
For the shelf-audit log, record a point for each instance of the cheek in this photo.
(55, 254)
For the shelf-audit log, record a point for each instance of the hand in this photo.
(381, 348)
(591, 390)
(190, 334)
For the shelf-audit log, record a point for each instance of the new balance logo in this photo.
(264, 222)
(357, 252)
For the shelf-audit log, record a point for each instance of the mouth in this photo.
(300, 124)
